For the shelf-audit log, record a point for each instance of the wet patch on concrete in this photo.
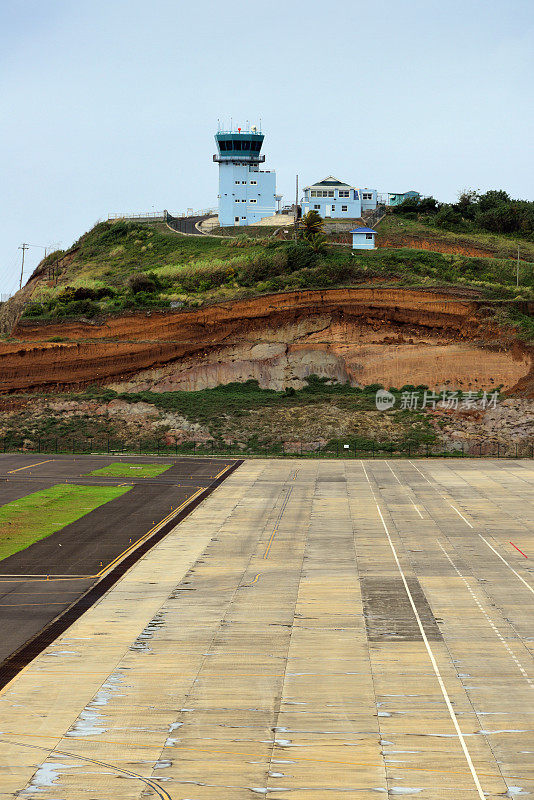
(389, 615)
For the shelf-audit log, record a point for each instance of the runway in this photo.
(313, 629)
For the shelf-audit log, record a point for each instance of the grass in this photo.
(197, 270)
(121, 469)
(43, 513)
(500, 246)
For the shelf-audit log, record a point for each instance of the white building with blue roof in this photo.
(363, 238)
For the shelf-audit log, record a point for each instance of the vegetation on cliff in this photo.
(122, 266)
(492, 212)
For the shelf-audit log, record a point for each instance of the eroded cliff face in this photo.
(361, 335)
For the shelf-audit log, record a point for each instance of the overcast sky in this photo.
(111, 105)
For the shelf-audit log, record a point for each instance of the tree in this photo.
(311, 223)
(492, 199)
(317, 242)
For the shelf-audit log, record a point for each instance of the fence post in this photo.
(108, 445)
(56, 444)
(498, 450)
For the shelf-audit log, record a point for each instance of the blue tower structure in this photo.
(246, 193)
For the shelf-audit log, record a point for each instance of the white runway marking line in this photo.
(433, 661)
(405, 488)
(493, 626)
(529, 587)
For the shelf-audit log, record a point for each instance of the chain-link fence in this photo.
(274, 449)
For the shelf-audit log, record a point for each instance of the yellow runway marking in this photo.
(152, 530)
(252, 582)
(247, 755)
(24, 605)
(12, 471)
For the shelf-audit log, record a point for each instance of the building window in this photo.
(330, 193)
(344, 208)
(368, 235)
(367, 196)
(317, 206)
(244, 183)
(236, 219)
(253, 183)
(314, 194)
(333, 208)
(252, 201)
(343, 193)
(236, 182)
(243, 217)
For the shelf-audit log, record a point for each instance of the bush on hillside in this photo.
(144, 282)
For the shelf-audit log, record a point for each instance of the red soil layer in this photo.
(122, 346)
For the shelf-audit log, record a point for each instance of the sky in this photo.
(110, 106)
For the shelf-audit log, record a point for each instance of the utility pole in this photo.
(296, 205)
(517, 269)
(23, 247)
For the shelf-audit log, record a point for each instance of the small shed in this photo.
(363, 239)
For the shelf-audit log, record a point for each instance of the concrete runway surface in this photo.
(314, 629)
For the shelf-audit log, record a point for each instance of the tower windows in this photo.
(344, 208)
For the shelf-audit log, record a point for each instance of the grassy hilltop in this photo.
(122, 266)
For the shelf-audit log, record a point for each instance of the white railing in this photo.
(163, 214)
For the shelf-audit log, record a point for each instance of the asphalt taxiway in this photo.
(41, 582)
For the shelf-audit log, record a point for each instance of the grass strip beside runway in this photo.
(38, 515)
(120, 469)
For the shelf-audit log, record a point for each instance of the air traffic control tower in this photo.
(246, 193)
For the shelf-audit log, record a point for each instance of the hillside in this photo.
(122, 267)
(161, 340)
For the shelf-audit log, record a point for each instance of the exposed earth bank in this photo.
(362, 336)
